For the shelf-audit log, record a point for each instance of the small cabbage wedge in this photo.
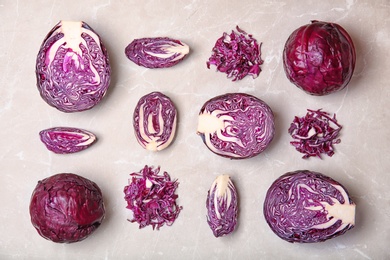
(222, 206)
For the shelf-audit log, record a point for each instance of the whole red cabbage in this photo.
(157, 52)
(319, 58)
(315, 133)
(66, 208)
(237, 54)
(152, 199)
(222, 206)
(236, 125)
(308, 207)
(65, 140)
(72, 67)
(154, 121)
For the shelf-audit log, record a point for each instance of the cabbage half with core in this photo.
(307, 207)
(222, 206)
(236, 125)
(72, 67)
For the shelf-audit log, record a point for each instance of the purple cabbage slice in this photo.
(222, 206)
(66, 208)
(72, 67)
(315, 133)
(308, 207)
(157, 52)
(152, 199)
(236, 125)
(237, 54)
(319, 58)
(154, 121)
(65, 140)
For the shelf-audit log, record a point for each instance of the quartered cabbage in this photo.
(222, 206)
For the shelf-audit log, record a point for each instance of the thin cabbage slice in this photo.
(156, 52)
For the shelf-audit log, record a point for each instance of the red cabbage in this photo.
(319, 58)
(64, 140)
(222, 206)
(158, 52)
(66, 208)
(72, 67)
(308, 207)
(237, 54)
(154, 121)
(315, 133)
(152, 199)
(236, 125)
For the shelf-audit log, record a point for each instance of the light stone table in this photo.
(361, 162)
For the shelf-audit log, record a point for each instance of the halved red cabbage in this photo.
(157, 52)
(66, 208)
(72, 67)
(308, 207)
(222, 206)
(319, 58)
(236, 125)
(315, 133)
(152, 199)
(237, 54)
(154, 121)
(65, 140)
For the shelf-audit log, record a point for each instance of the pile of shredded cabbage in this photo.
(152, 198)
(315, 133)
(237, 54)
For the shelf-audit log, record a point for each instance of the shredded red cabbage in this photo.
(315, 133)
(237, 54)
(152, 198)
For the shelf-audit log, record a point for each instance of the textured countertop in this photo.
(361, 161)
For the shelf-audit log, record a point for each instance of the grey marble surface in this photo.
(361, 162)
